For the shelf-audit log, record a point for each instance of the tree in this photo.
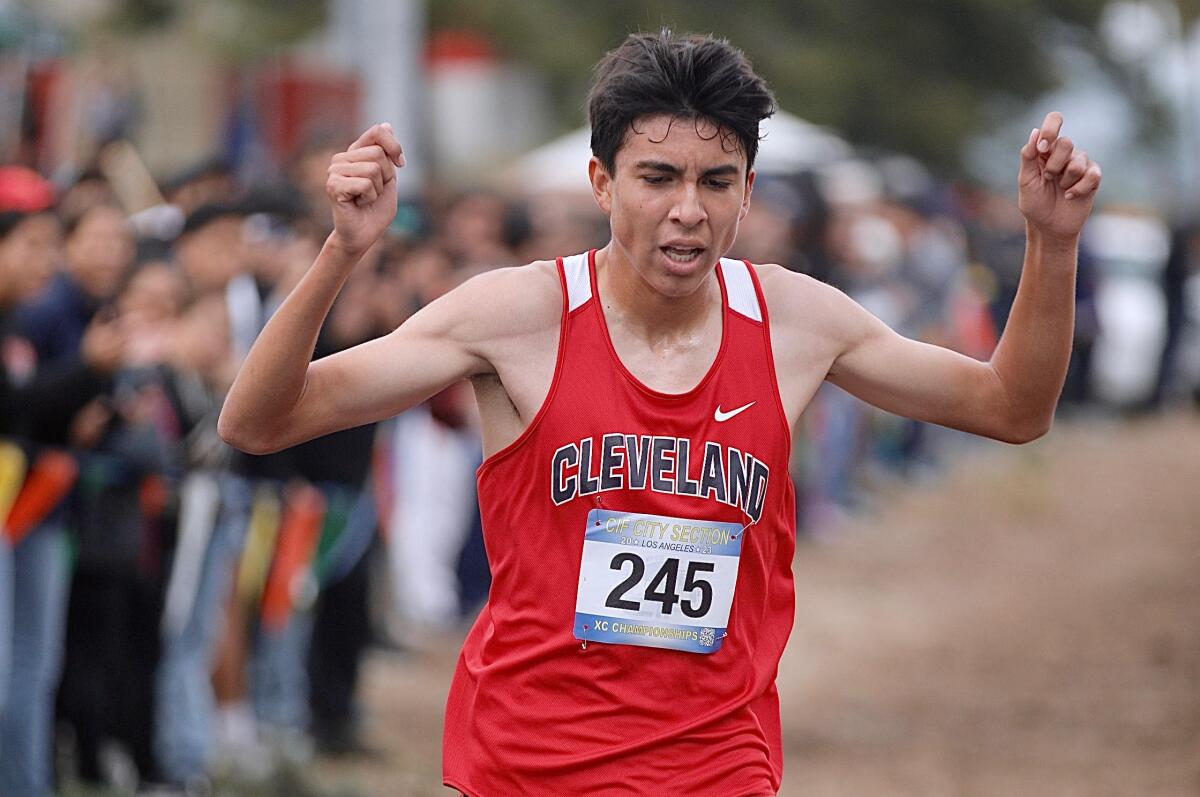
(240, 29)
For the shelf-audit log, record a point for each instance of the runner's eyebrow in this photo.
(659, 166)
(670, 168)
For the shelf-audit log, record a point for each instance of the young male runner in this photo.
(636, 406)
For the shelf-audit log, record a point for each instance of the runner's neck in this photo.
(628, 300)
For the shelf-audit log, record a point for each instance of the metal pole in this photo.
(1189, 132)
(389, 55)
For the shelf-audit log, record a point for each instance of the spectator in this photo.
(111, 644)
(77, 347)
(24, 203)
(29, 252)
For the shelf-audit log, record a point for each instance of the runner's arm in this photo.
(1010, 398)
(1013, 396)
(279, 397)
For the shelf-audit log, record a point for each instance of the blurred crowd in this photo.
(171, 609)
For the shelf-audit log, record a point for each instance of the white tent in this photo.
(789, 144)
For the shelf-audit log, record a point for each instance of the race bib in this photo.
(655, 581)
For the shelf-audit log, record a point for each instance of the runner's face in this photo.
(675, 200)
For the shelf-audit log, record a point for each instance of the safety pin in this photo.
(746, 527)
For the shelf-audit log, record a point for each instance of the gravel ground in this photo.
(1026, 624)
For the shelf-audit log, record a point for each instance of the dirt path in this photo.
(1028, 625)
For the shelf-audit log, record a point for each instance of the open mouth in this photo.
(682, 255)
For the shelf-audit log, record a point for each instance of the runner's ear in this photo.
(746, 198)
(601, 184)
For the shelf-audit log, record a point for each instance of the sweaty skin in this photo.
(674, 200)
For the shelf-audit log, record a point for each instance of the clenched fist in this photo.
(362, 187)
(1057, 181)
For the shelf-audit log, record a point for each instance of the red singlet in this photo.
(531, 710)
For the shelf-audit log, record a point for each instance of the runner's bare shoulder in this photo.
(799, 303)
(506, 307)
(792, 296)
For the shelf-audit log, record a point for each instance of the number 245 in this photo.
(662, 587)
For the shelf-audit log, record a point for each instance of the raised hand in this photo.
(362, 187)
(1057, 182)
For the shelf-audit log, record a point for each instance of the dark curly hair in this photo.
(692, 77)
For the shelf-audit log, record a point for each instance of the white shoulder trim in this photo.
(579, 281)
(739, 286)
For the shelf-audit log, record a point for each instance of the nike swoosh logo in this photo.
(720, 417)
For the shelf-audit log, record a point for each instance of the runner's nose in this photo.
(688, 210)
